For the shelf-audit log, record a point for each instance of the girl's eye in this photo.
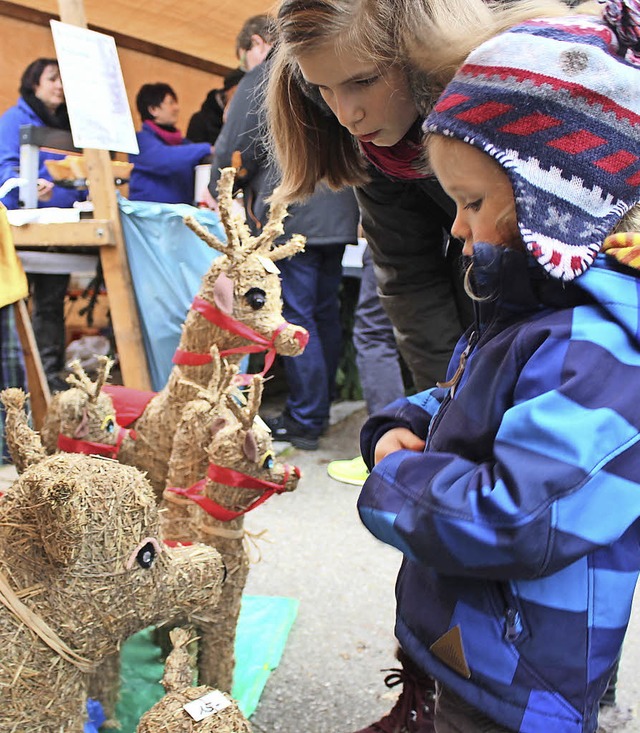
(108, 424)
(474, 205)
(367, 82)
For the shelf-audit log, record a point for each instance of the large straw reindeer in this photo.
(238, 308)
(82, 567)
(241, 473)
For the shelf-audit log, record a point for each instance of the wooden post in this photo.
(115, 266)
(39, 394)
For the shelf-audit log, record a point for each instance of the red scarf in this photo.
(170, 137)
(404, 160)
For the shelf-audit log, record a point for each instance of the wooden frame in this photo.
(105, 232)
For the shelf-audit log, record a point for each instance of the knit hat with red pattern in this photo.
(556, 102)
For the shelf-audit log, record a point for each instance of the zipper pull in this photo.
(513, 625)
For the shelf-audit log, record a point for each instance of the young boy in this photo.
(513, 490)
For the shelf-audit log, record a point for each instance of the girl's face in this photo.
(49, 88)
(374, 104)
(166, 113)
(482, 193)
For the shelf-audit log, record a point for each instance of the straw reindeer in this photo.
(169, 715)
(81, 569)
(241, 473)
(238, 308)
(83, 419)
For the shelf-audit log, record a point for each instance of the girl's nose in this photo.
(460, 231)
(348, 113)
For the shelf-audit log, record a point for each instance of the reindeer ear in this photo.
(223, 293)
(60, 520)
(250, 446)
(217, 425)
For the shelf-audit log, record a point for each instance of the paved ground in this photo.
(329, 679)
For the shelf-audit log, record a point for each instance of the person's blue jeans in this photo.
(310, 294)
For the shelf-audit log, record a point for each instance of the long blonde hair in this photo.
(428, 38)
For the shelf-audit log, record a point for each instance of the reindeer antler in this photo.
(104, 370)
(246, 413)
(78, 378)
(240, 244)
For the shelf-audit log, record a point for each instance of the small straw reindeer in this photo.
(238, 308)
(82, 419)
(169, 715)
(241, 473)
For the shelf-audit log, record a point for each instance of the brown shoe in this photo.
(414, 708)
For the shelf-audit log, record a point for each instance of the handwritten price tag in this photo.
(207, 705)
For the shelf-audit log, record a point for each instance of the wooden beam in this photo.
(38, 17)
(39, 394)
(83, 233)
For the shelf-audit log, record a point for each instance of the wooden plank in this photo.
(86, 232)
(39, 393)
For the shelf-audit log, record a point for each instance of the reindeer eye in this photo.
(146, 555)
(267, 460)
(256, 298)
(108, 424)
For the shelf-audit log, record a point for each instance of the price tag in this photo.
(269, 265)
(207, 705)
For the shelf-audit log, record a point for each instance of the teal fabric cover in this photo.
(167, 262)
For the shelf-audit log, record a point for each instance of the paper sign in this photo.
(207, 705)
(94, 89)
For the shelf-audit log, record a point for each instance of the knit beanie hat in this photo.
(556, 102)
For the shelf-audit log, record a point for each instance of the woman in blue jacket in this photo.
(512, 490)
(164, 168)
(41, 103)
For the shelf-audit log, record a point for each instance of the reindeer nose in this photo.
(302, 337)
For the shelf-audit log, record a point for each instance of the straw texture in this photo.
(82, 569)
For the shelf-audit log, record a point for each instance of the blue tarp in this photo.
(167, 262)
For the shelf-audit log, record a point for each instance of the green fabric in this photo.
(263, 628)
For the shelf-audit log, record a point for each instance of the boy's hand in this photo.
(397, 439)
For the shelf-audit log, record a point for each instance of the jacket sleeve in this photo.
(413, 413)
(9, 153)
(159, 159)
(242, 131)
(562, 458)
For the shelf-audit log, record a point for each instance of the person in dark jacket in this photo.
(205, 125)
(163, 170)
(41, 103)
(517, 579)
(311, 279)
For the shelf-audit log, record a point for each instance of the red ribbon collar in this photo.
(230, 477)
(228, 323)
(73, 445)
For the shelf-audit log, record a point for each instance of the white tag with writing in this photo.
(269, 265)
(207, 705)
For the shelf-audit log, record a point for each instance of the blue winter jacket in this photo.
(10, 122)
(518, 522)
(164, 173)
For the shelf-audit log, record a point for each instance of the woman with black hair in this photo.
(41, 103)
(163, 171)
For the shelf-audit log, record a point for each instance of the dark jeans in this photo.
(376, 351)
(310, 286)
(47, 318)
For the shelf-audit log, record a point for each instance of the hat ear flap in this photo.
(60, 521)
